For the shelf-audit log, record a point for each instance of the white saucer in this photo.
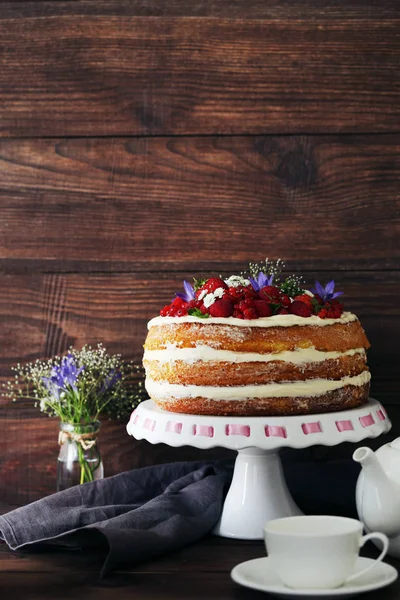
(258, 575)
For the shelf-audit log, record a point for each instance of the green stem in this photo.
(86, 472)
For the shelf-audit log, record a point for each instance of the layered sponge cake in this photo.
(243, 346)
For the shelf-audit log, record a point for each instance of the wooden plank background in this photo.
(142, 143)
(85, 68)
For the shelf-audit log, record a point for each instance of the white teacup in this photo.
(317, 551)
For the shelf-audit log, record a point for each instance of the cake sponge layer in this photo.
(338, 336)
(342, 399)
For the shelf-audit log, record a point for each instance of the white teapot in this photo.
(378, 491)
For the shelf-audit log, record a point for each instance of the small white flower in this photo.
(236, 280)
(212, 296)
(202, 294)
(209, 299)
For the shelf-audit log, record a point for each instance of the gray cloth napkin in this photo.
(140, 514)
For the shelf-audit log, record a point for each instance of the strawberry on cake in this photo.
(256, 344)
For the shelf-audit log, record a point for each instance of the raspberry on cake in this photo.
(256, 345)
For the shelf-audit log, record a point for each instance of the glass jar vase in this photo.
(79, 459)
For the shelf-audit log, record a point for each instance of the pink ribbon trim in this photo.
(275, 431)
(205, 430)
(237, 430)
(381, 414)
(174, 427)
(367, 420)
(149, 424)
(344, 425)
(311, 427)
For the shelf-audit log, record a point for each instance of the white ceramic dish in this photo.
(155, 425)
(257, 574)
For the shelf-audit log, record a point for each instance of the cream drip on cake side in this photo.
(205, 353)
(310, 387)
(274, 321)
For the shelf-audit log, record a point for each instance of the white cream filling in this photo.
(311, 387)
(274, 321)
(205, 353)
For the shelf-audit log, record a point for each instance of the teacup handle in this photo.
(378, 536)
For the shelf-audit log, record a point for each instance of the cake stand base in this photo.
(258, 493)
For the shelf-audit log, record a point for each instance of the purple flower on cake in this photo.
(261, 281)
(188, 294)
(327, 292)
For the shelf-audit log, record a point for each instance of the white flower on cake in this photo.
(212, 296)
(237, 280)
(202, 294)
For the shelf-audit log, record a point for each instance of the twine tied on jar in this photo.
(86, 440)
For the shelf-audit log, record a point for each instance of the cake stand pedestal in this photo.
(258, 492)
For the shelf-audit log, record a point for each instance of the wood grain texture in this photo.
(225, 9)
(96, 74)
(167, 203)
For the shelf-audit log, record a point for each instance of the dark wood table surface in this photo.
(201, 570)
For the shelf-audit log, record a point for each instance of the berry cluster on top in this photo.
(254, 297)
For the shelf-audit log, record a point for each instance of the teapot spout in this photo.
(378, 497)
(366, 457)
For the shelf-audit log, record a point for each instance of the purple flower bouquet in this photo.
(78, 388)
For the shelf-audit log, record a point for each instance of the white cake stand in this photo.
(258, 491)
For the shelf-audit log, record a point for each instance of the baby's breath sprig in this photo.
(80, 386)
(269, 267)
(293, 285)
(134, 392)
